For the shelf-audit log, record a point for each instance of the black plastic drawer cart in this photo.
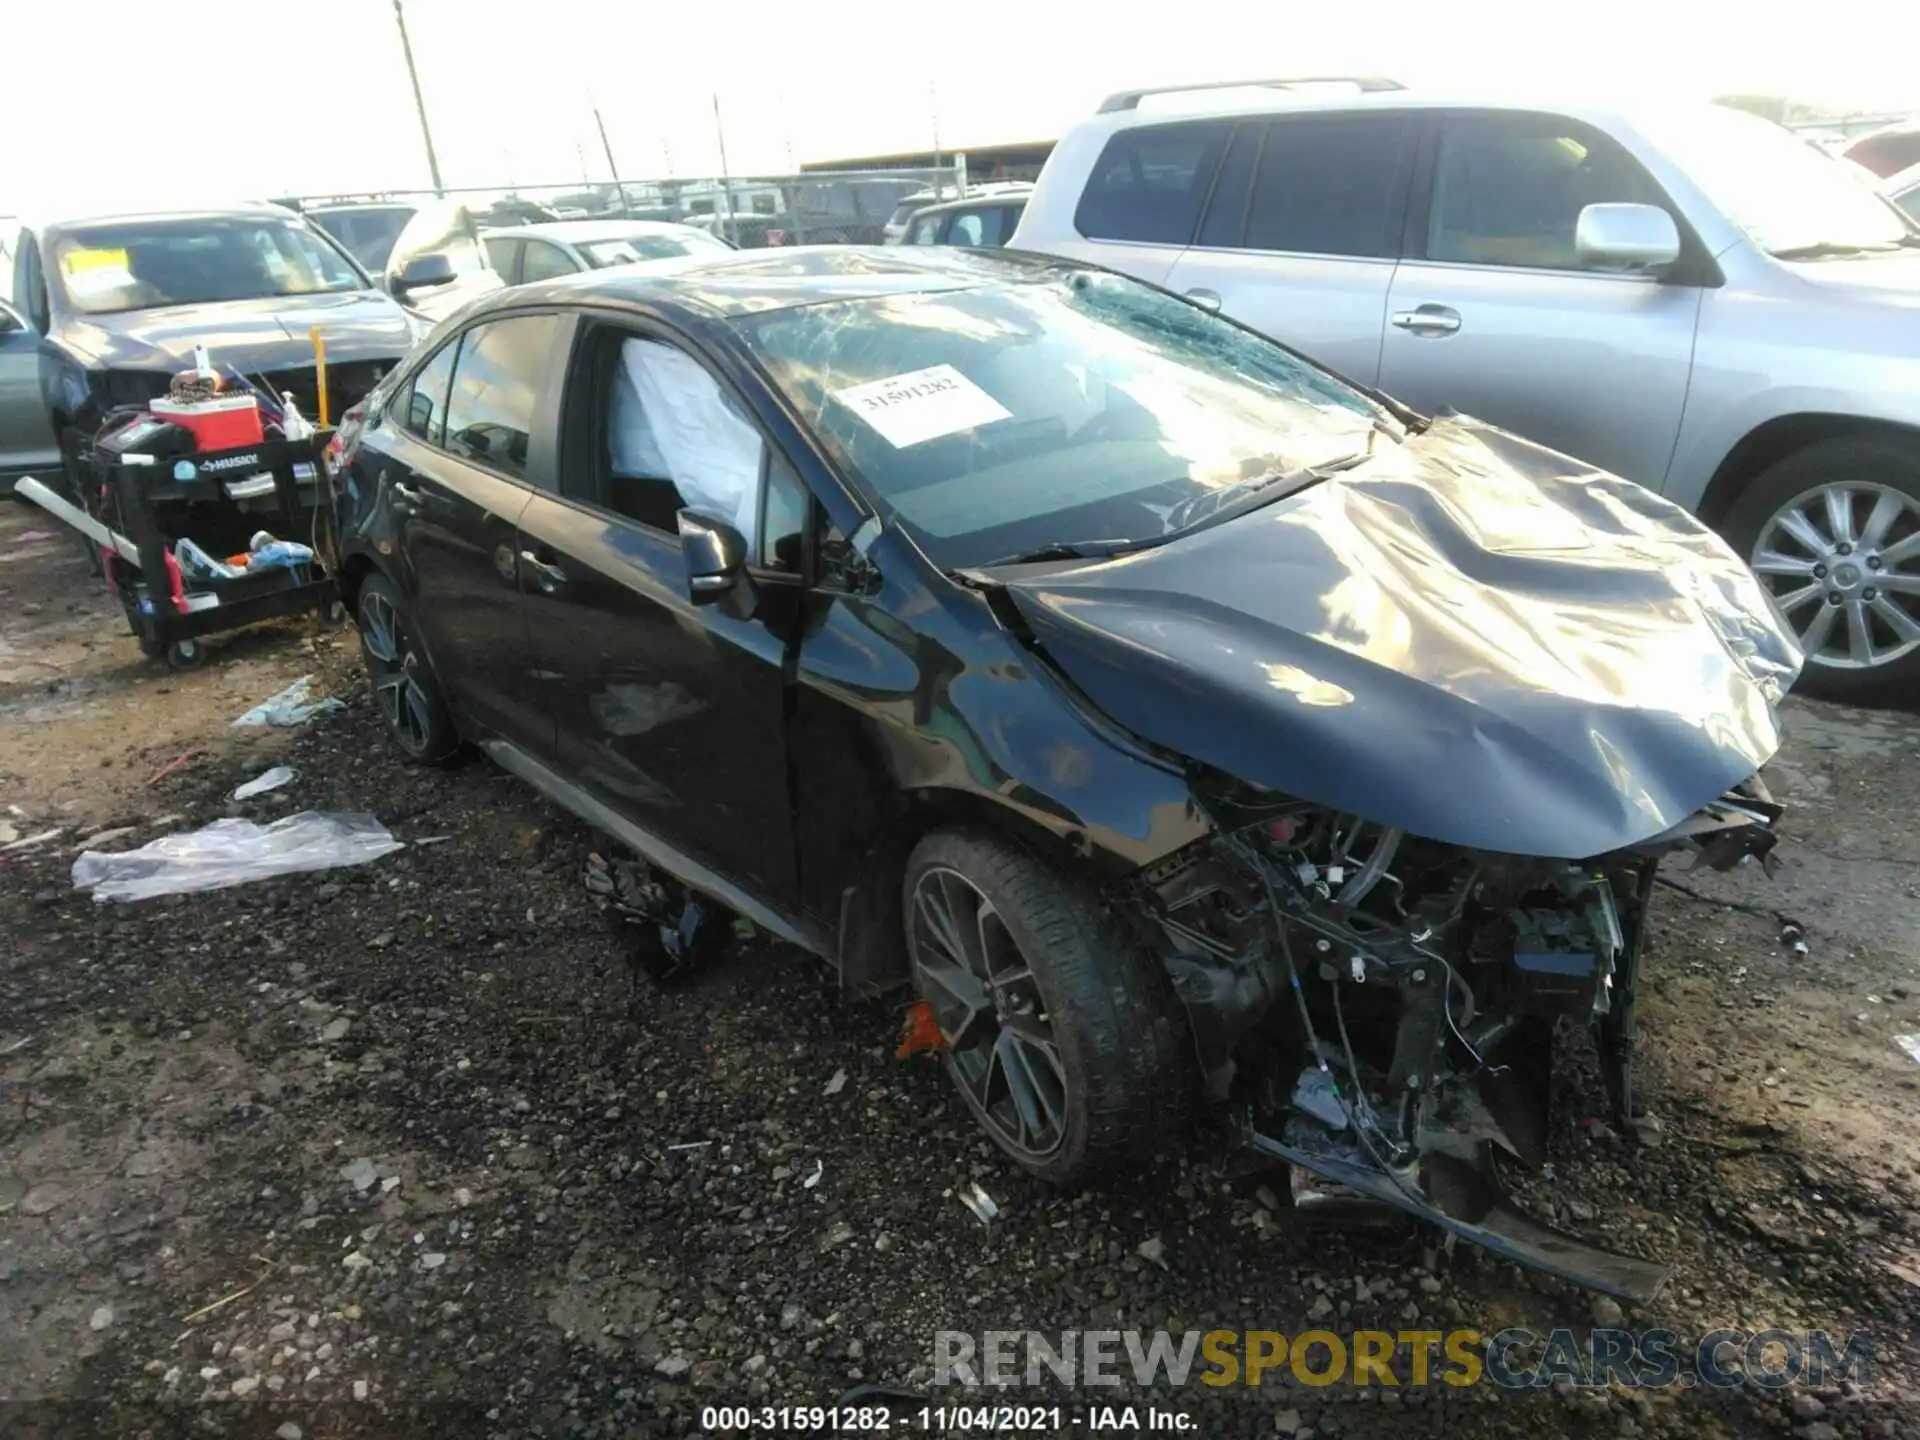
(219, 500)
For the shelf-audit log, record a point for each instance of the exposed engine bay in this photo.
(1381, 1010)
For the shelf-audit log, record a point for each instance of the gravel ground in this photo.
(404, 1149)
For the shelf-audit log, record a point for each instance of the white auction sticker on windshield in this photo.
(922, 405)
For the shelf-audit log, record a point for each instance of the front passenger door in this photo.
(1493, 313)
(671, 714)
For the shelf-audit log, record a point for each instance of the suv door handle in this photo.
(548, 575)
(1428, 320)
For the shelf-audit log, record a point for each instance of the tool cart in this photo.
(219, 538)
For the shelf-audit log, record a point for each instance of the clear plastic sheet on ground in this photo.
(292, 706)
(232, 852)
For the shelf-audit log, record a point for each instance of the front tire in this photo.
(405, 691)
(1062, 1034)
(1833, 533)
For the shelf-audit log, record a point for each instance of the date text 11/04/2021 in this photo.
(945, 1419)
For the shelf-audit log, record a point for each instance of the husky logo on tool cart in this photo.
(232, 462)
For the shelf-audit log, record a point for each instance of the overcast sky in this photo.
(278, 97)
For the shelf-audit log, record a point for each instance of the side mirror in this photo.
(716, 556)
(1625, 237)
(423, 272)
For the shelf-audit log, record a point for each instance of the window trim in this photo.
(1695, 268)
(1393, 230)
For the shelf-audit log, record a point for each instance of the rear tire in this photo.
(75, 472)
(1064, 1036)
(405, 690)
(1833, 533)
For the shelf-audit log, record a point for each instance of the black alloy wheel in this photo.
(404, 689)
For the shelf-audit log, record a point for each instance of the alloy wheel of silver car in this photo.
(394, 668)
(999, 1042)
(1841, 563)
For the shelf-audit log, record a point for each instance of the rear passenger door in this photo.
(1143, 199)
(469, 441)
(1302, 232)
(1493, 314)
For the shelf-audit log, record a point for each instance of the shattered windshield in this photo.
(1083, 411)
(145, 264)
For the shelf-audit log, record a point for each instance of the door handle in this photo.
(1428, 320)
(1207, 300)
(405, 496)
(549, 575)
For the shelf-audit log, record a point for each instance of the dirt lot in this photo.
(402, 1150)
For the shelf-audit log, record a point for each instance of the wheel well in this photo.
(871, 957)
(354, 571)
(1774, 441)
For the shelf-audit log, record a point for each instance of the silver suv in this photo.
(1687, 296)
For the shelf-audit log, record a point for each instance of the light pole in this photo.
(419, 101)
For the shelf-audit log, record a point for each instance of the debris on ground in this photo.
(980, 1203)
(819, 1169)
(291, 706)
(232, 852)
(265, 781)
(1910, 1044)
(921, 1031)
(172, 767)
(836, 1084)
(28, 842)
(1794, 938)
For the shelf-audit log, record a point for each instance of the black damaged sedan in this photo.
(1182, 722)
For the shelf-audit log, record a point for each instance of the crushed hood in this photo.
(264, 334)
(1470, 637)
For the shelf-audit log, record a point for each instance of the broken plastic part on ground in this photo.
(233, 852)
(265, 781)
(291, 706)
(1910, 1044)
(980, 1203)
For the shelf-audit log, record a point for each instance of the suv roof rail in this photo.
(1130, 99)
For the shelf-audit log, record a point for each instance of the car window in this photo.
(632, 249)
(996, 419)
(967, 228)
(1509, 192)
(503, 253)
(783, 518)
(1909, 200)
(543, 261)
(422, 410)
(1329, 185)
(927, 231)
(675, 437)
(1225, 225)
(1149, 183)
(495, 388)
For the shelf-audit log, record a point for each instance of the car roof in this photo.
(740, 283)
(1169, 106)
(581, 232)
(975, 202)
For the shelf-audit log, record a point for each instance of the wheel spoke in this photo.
(391, 701)
(1815, 635)
(1887, 507)
(1907, 549)
(1839, 500)
(417, 710)
(1794, 599)
(378, 634)
(1896, 618)
(1859, 634)
(1905, 584)
(1803, 530)
(1772, 562)
(937, 921)
(1015, 1069)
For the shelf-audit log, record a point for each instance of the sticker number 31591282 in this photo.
(922, 405)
